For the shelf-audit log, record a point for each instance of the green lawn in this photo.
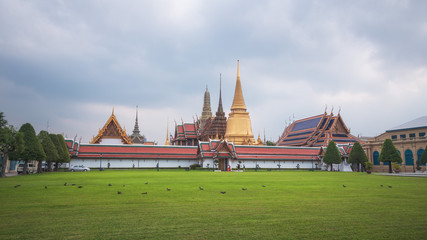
(293, 205)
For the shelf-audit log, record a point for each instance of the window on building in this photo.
(422, 134)
(393, 137)
(403, 136)
(376, 155)
(412, 135)
(409, 158)
(419, 154)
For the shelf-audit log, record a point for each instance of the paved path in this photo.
(405, 174)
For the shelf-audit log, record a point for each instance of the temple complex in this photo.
(111, 133)
(239, 128)
(317, 131)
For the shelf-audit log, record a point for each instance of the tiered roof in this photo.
(185, 132)
(223, 148)
(112, 130)
(317, 131)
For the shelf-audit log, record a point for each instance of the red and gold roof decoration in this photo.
(111, 130)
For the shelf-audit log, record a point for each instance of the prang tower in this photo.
(239, 128)
(207, 112)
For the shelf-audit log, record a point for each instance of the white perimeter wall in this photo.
(129, 163)
(265, 164)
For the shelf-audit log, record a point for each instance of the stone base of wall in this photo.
(385, 168)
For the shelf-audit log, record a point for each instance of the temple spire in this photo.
(207, 112)
(167, 143)
(136, 137)
(136, 128)
(220, 109)
(239, 129)
(238, 101)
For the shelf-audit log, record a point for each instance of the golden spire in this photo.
(167, 143)
(239, 129)
(238, 101)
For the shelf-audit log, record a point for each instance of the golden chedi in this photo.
(239, 128)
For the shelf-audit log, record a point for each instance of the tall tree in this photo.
(332, 154)
(11, 142)
(65, 157)
(424, 156)
(389, 154)
(32, 148)
(49, 148)
(58, 148)
(357, 155)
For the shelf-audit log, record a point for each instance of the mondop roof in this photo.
(420, 122)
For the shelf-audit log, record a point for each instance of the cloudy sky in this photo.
(64, 65)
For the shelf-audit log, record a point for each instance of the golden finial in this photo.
(167, 143)
(238, 69)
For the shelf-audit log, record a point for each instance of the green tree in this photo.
(49, 148)
(58, 148)
(332, 154)
(389, 154)
(270, 143)
(11, 143)
(424, 156)
(61, 147)
(65, 157)
(33, 150)
(357, 156)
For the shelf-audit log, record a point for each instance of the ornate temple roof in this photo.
(186, 131)
(111, 130)
(316, 131)
(223, 148)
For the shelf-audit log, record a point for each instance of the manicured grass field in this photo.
(293, 205)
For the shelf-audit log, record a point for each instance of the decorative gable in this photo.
(111, 130)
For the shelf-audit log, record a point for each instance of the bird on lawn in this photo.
(73, 184)
(390, 186)
(144, 193)
(201, 188)
(263, 185)
(146, 182)
(80, 186)
(65, 184)
(118, 192)
(167, 189)
(17, 186)
(124, 185)
(45, 187)
(381, 185)
(244, 189)
(109, 185)
(223, 192)
(344, 185)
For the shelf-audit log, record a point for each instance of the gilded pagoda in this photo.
(239, 129)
